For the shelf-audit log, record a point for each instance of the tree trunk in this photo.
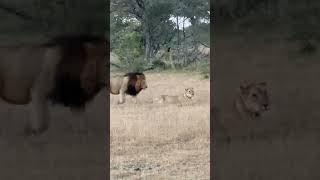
(178, 33)
(283, 5)
(193, 25)
(147, 43)
(184, 44)
(65, 14)
(178, 39)
(171, 60)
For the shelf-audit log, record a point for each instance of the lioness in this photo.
(130, 83)
(68, 70)
(169, 99)
(252, 100)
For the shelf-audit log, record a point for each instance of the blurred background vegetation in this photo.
(293, 20)
(160, 35)
(26, 19)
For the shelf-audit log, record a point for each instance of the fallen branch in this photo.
(115, 65)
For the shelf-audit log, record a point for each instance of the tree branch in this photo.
(140, 3)
(203, 44)
(115, 65)
(21, 14)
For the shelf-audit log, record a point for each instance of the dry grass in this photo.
(60, 153)
(156, 141)
(286, 140)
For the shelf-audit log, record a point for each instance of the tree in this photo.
(153, 21)
(153, 16)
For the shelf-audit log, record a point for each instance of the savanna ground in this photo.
(158, 141)
(286, 143)
(60, 153)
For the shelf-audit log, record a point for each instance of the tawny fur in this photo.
(67, 70)
(180, 100)
(248, 106)
(130, 83)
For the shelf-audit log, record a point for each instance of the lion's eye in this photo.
(254, 95)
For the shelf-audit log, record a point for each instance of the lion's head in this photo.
(136, 83)
(188, 93)
(254, 97)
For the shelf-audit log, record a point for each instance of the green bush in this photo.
(130, 52)
(201, 66)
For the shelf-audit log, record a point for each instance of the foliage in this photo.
(142, 31)
(203, 67)
(53, 17)
(130, 51)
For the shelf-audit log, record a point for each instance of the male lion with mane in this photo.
(67, 70)
(130, 83)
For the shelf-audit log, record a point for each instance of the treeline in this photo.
(300, 14)
(296, 20)
(58, 16)
(149, 34)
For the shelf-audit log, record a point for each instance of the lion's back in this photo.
(19, 68)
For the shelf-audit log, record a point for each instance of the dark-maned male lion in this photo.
(130, 83)
(67, 70)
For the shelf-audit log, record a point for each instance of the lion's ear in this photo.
(243, 87)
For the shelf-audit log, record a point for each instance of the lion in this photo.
(170, 99)
(248, 106)
(252, 100)
(130, 83)
(66, 70)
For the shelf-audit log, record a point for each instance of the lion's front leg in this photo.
(122, 97)
(39, 111)
(39, 114)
